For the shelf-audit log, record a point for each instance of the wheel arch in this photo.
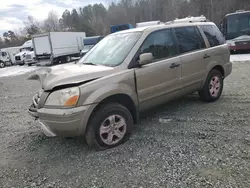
(219, 68)
(122, 99)
(215, 67)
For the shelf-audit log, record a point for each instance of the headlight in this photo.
(65, 97)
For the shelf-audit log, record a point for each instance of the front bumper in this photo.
(19, 62)
(62, 122)
(31, 61)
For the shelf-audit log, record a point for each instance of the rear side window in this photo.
(213, 35)
(161, 44)
(189, 39)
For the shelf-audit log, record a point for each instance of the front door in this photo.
(156, 80)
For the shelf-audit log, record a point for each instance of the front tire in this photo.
(213, 87)
(109, 127)
(2, 64)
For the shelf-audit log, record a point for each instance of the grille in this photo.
(28, 57)
(242, 43)
(18, 58)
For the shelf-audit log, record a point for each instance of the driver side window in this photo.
(161, 44)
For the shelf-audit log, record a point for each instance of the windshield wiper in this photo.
(89, 63)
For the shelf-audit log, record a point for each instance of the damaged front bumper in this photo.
(61, 122)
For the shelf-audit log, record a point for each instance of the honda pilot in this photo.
(100, 97)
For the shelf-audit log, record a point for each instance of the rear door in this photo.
(218, 51)
(42, 45)
(156, 80)
(193, 57)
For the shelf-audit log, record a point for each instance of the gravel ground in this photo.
(185, 143)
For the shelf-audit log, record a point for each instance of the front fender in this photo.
(110, 90)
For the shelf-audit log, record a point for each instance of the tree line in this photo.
(96, 19)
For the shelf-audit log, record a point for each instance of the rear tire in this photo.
(213, 86)
(2, 64)
(109, 127)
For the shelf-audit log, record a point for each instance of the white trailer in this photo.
(7, 55)
(56, 47)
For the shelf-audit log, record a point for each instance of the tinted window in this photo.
(161, 44)
(213, 35)
(189, 39)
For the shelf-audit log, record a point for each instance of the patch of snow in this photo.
(240, 58)
(16, 70)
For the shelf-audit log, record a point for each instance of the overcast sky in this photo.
(14, 12)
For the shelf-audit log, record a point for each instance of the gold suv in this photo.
(101, 96)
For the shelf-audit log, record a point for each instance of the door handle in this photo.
(206, 56)
(174, 65)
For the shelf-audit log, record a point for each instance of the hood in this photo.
(30, 53)
(22, 53)
(69, 74)
(240, 38)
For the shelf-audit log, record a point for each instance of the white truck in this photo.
(30, 58)
(57, 47)
(7, 56)
(25, 48)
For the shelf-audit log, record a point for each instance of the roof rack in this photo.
(240, 11)
(189, 19)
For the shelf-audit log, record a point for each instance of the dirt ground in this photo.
(185, 143)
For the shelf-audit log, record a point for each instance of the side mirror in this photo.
(146, 58)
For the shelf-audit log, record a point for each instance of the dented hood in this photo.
(68, 74)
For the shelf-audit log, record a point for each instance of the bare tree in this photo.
(51, 23)
(31, 26)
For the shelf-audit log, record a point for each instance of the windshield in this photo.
(25, 49)
(112, 50)
(238, 25)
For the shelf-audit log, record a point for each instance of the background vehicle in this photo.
(120, 27)
(236, 29)
(7, 56)
(129, 72)
(90, 42)
(55, 47)
(25, 48)
(151, 23)
(30, 58)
